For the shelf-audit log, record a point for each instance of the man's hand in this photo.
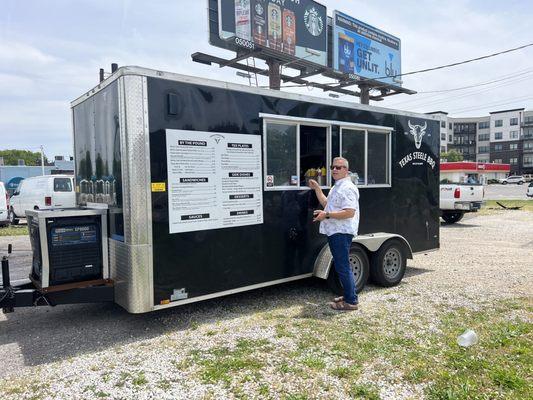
(319, 215)
(313, 184)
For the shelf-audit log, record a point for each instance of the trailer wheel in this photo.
(13, 220)
(360, 266)
(452, 217)
(389, 263)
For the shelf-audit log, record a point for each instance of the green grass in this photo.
(14, 230)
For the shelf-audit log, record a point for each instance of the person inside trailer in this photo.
(340, 221)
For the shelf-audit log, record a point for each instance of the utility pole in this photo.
(42, 160)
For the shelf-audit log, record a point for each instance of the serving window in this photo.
(299, 149)
(294, 153)
(368, 153)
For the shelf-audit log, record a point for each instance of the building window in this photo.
(482, 160)
(498, 135)
(498, 147)
(450, 138)
(442, 149)
(483, 149)
(528, 145)
(450, 125)
(498, 123)
(442, 136)
(513, 146)
(484, 125)
(528, 133)
(527, 161)
(483, 136)
(443, 124)
(513, 161)
(528, 120)
(514, 134)
(497, 160)
(514, 121)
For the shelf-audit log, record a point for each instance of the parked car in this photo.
(529, 192)
(41, 192)
(4, 206)
(519, 179)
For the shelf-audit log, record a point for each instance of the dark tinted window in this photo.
(62, 185)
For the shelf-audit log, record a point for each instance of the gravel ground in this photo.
(95, 351)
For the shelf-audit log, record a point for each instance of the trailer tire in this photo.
(13, 220)
(360, 267)
(389, 263)
(452, 217)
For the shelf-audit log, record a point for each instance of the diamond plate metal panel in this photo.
(128, 265)
(131, 262)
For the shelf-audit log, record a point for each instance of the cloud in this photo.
(16, 53)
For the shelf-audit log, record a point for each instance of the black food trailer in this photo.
(204, 184)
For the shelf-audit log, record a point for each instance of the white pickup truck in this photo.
(456, 199)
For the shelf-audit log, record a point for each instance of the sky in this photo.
(51, 52)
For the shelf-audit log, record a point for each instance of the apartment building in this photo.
(504, 136)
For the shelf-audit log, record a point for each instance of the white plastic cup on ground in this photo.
(467, 339)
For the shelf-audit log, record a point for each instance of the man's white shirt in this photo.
(344, 194)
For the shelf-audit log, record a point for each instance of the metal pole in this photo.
(274, 78)
(42, 160)
(365, 94)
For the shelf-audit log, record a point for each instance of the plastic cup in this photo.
(467, 339)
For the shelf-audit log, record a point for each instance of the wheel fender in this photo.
(371, 242)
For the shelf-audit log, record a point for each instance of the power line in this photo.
(434, 99)
(435, 68)
(425, 103)
(454, 64)
(492, 104)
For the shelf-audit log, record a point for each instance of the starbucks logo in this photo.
(313, 21)
(259, 9)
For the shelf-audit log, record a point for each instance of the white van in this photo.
(4, 206)
(42, 192)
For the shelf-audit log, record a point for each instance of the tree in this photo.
(11, 157)
(452, 156)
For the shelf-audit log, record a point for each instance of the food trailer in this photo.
(204, 184)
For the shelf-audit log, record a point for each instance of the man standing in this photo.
(340, 221)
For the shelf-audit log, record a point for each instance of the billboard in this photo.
(362, 50)
(294, 27)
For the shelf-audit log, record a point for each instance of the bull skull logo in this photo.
(418, 131)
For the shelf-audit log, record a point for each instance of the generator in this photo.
(68, 245)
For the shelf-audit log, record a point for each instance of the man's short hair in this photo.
(344, 160)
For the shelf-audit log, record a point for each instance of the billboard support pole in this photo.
(274, 77)
(365, 94)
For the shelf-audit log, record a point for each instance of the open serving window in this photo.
(296, 150)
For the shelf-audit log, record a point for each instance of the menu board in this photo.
(214, 180)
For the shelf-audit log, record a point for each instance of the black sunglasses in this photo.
(338, 166)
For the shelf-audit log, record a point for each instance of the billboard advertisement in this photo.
(294, 27)
(362, 50)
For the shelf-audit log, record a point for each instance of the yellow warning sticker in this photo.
(158, 187)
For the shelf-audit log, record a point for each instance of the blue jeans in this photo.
(339, 244)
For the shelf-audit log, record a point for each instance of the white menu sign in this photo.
(214, 180)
